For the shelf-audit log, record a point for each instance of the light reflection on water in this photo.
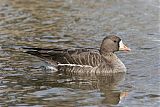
(78, 23)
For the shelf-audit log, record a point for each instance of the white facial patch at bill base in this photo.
(121, 45)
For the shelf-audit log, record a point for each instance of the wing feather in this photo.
(80, 56)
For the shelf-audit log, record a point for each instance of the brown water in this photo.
(79, 23)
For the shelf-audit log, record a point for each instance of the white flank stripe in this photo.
(52, 68)
(74, 65)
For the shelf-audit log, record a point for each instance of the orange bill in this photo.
(122, 47)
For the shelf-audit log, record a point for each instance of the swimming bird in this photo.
(88, 60)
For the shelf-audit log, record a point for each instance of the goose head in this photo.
(112, 44)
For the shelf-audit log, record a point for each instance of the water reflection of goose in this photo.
(94, 60)
(106, 83)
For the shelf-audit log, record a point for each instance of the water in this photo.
(79, 23)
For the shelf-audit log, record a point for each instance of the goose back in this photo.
(87, 56)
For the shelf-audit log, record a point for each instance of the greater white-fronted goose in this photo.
(89, 60)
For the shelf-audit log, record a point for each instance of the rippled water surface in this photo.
(24, 81)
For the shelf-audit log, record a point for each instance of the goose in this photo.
(90, 60)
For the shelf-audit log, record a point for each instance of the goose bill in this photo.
(122, 47)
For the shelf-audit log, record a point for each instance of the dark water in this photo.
(79, 23)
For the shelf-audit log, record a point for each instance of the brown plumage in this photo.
(89, 59)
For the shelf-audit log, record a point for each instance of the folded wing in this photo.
(85, 56)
